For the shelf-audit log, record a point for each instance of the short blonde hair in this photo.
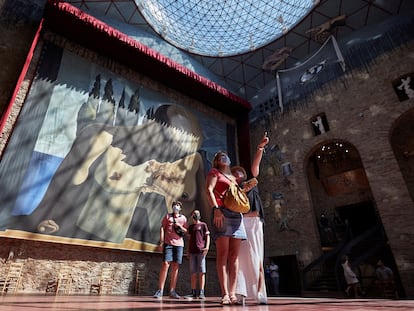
(235, 169)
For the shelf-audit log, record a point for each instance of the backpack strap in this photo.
(220, 195)
(227, 177)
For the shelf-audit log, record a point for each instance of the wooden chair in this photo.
(51, 286)
(388, 290)
(64, 281)
(13, 279)
(104, 286)
(140, 277)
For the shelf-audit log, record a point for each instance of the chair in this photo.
(388, 290)
(13, 279)
(104, 286)
(140, 276)
(51, 287)
(64, 281)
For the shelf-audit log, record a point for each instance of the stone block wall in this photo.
(362, 109)
(43, 261)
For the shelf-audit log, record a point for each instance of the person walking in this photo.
(173, 228)
(227, 227)
(350, 277)
(251, 279)
(198, 246)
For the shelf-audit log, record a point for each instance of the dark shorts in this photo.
(197, 263)
(173, 253)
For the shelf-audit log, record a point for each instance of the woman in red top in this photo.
(227, 227)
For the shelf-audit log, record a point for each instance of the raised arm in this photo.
(258, 155)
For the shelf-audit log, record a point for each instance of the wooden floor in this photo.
(130, 303)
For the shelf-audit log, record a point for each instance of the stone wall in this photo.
(361, 110)
(43, 261)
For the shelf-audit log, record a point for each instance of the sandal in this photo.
(234, 300)
(225, 300)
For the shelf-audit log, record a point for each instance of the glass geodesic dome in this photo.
(223, 27)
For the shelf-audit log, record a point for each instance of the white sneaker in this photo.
(158, 294)
(173, 294)
(261, 299)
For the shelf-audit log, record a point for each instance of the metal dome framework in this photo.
(222, 28)
(243, 74)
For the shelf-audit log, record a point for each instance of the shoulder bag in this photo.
(235, 199)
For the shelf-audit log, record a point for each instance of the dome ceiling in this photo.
(222, 28)
(244, 74)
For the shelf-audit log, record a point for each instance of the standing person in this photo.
(385, 277)
(198, 247)
(227, 227)
(267, 277)
(251, 280)
(326, 229)
(274, 277)
(173, 228)
(350, 277)
(384, 273)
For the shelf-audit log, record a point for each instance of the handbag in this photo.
(235, 199)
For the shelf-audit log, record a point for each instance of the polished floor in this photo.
(130, 303)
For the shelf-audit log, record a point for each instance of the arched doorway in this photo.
(340, 190)
(346, 214)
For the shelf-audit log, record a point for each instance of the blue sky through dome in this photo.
(223, 27)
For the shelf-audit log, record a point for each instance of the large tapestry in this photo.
(97, 159)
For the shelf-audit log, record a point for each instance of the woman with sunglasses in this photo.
(227, 227)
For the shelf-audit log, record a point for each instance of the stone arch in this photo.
(339, 189)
